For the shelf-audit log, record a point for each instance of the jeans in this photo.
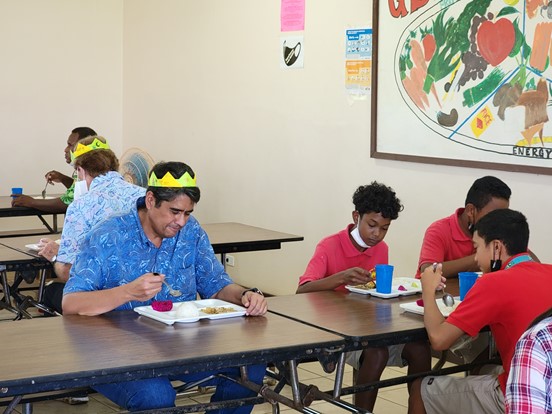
(153, 393)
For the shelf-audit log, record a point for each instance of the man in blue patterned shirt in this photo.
(124, 261)
(102, 193)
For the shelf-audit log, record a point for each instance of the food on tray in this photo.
(162, 305)
(372, 274)
(420, 302)
(215, 310)
(370, 285)
(187, 310)
(401, 288)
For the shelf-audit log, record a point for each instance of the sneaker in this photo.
(76, 400)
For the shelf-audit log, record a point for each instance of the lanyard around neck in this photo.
(518, 260)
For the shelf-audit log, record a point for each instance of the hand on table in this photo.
(145, 287)
(254, 303)
(48, 248)
(22, 200)
(356, 276)
(433, 279)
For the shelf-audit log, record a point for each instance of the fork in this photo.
(44, 191)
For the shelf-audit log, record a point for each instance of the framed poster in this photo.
(463, 82)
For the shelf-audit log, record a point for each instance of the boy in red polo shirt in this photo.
(506, 300)
(449, 240)
(346, 258)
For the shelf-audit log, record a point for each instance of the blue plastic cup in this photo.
(466, 280)
(384, 278)
(17, 190)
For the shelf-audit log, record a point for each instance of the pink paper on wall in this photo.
(292, 15)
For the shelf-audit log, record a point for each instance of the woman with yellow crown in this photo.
(125, 262)
(100, 192)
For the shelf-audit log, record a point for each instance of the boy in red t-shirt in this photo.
(507, 300)
(346, 258)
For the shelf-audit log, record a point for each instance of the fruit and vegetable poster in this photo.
(465, 82)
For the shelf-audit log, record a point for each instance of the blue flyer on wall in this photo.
(359, 44)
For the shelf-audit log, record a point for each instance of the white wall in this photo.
(201, 83)
(61, 68)
(273, 148)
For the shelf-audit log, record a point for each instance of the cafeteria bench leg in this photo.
(50, 229)
(24, 302)
(442, 359)
(339, 372)
(11, 406)
(5, 302)
(294, 381)
(27, 408)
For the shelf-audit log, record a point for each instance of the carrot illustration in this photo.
(415, 92)
(541, 45)
(417, 55)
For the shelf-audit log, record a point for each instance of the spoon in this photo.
(172, 291)
(44, 191)
(447, 298)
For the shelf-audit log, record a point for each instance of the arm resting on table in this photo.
(254, 303)
(452, 267)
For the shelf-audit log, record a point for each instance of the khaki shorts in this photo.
(395, 357)
(473, 394)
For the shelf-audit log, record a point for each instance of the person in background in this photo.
(58, 204)
(346, 258)
(497, 300)
(100, 192)
(449, 241)
(124, 261)
(529, 386)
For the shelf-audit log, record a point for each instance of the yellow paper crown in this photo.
(81, 149)
(168, 180)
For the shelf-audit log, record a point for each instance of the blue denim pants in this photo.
(153, 393)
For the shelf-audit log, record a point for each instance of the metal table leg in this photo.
(5, 302)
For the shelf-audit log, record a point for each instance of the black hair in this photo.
(177, 170)
(541, 317)
(83, 132)
(377, 198)
(508, 226)
(484, 189)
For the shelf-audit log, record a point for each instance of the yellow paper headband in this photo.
(169, 181)
(81, 149)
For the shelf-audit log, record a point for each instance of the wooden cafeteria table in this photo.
(236, 237)
(224, 237)
(45, 354)
(362, 320)
(6, 210)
